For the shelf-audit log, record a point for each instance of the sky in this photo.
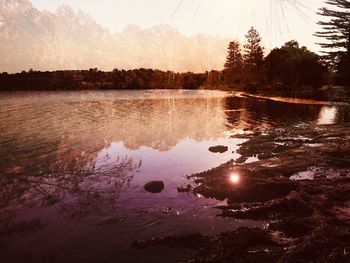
(277, 21)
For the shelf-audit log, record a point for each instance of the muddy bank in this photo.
(328, 93)
(299, 185)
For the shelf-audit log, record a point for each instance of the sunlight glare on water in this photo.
(235, 178)
(327, 115)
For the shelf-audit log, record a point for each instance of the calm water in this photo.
(73, 166)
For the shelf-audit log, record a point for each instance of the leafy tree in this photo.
(294, 66)
(336, 33)
(253, 56)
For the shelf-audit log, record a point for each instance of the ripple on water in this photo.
(77, 162)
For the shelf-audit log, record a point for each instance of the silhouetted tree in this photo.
(234, 64)
(253, 56)
(192, 81)
(294, 66)
(234, 60)
(336, 33)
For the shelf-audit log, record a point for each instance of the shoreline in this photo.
(329, 95)
(299, 186)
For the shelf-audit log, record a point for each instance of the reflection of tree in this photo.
(92, 124)
(10, 225)
(245, 114)
(77, 190)
(66, 178)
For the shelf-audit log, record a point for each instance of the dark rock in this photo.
(218, 149)
(301, 216)
(294, 228)
(241, 159)
(154, 186)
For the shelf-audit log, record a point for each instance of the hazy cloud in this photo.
(66, 39)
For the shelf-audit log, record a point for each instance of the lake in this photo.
(73, 166)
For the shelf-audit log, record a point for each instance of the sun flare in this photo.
(235, 178)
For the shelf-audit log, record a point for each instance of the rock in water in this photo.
(154, 186)
(218, 149)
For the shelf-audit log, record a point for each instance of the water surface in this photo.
(73, 166)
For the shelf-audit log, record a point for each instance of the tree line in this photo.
(289, 67)
(292, 67)
(94, 78)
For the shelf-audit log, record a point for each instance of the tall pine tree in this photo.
(234, 59)
(253, 51)
(336, 33)
(234, 64)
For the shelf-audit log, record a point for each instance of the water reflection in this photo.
(235, 178)
(328, 115)
(55, 145)
(63, 144)
(88, 154)
(75, 189)
(249, 114)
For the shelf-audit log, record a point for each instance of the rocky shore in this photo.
(298, 183)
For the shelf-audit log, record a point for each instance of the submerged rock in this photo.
(218, 149)
(154, 186)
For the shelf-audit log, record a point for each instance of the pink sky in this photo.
(277, 20)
